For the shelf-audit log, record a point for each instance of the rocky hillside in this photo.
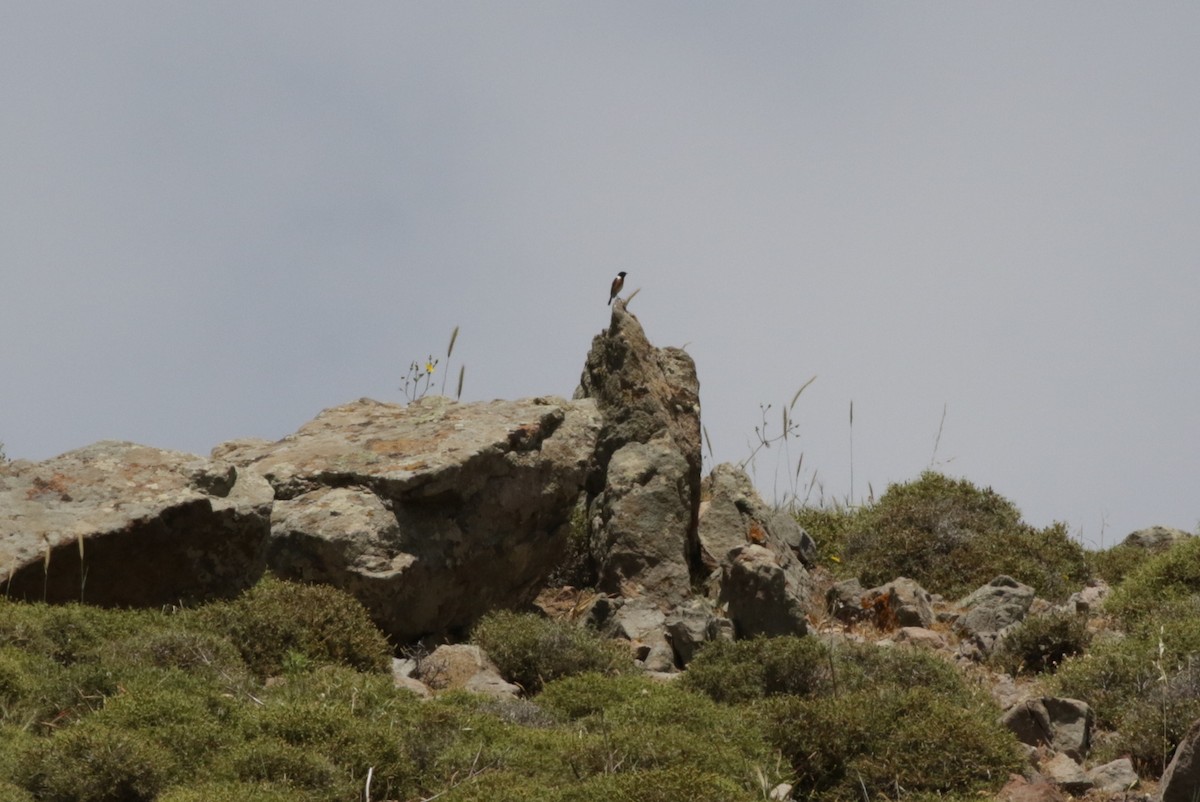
(565, 564)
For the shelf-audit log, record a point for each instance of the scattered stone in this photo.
(1019, 789)
(844, 601)
(693, 624)
(919, 636)
(1115, 776)
(1088, 599)
(463, 667)
(1064, 772)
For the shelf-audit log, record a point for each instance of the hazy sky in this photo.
(219, 218)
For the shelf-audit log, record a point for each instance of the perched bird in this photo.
(617, 284)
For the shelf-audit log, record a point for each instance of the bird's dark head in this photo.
(621, 274)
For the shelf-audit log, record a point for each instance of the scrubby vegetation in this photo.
(951, 537)
(285, 693)
(1039, 644)
(1144, 684)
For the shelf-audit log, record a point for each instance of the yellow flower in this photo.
(429, 366)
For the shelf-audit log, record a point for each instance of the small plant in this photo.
(530, 650)
(419, 379)
(1041, 643)
(789, 430)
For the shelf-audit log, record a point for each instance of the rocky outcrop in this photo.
(430, 514)
(644, 487)
(1155, 538)
(120, 524)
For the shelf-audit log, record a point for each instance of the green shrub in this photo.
(236, 792)
(1040, 643)
(952, 537)
(1151, 726)
(1172, 577)
(659, 785)
(89, 763)
(530, 650)
(872, 742)
(740, 671)
(828, 527)
(68, 633)
(321, 623)
(1114, 564)
(584, 695)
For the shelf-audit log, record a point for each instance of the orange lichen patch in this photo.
(403, 445)
(756, 534)
(525, 435)
(56, 485)
(882, 612)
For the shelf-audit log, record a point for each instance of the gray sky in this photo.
(219, 218)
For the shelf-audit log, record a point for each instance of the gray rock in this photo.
(844, 600)
(693, 624)
(1088, 599)
(761, 596)
(463, 667)
(644, 488)
(1067, 774)
(1064, 725)
(899, 603)
(919, 636)
(407, 508)
(1182, 777)
(643, 624)
(1155, 538)
(119, 524)
(996, 605)
(735, 514)
(640, 534)
(1115, 776)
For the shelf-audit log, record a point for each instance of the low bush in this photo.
(874, 742)
(1172, 577)
(1040, 644)
(530, 650)
(276, 618)
(952, 537)
(741, 671)
(90, 763)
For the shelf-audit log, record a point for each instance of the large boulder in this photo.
(119, 524)
(761, 596)
(1063, 725)
(430, 514)
(644, 489)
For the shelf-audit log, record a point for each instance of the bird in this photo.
(617, 284)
